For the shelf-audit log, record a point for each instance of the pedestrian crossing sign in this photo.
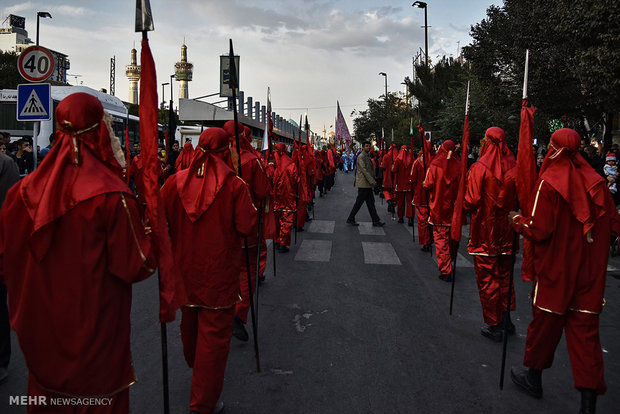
(34, 102)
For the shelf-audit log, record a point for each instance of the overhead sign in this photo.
(34, 102)
(35, 64)
(225, 90)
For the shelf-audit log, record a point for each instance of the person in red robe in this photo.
(184, 159)
(490, 195)
(81, 245)
(285, 182)
(302, 190)
(420, 202)
(209, 210)
(573, 218)
(253, 173)
(402, 188)
(388, 177)
(442, 182)
(318, 172)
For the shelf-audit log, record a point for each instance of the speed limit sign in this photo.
(35, 64)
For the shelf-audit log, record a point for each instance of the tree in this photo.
(395, 114)
(9, 76)
(574, 70)
(433, 87)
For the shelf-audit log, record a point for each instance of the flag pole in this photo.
(233, 86)
(144, 24)
(457, 217)
(411, 183)
(515, 241)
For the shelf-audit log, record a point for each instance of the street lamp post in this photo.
(422, 5)
(171, 125)
(44, 15)
(163, 100)
(386, 97)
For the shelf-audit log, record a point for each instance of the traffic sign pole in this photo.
(35, 142)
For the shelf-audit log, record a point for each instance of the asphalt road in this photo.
(358, 323)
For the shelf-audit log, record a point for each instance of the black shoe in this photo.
(401, 220)
(300, 229)
(378, 224)
(507, 324)
(284, 249)
(588, 401)
(352, 222)
(493, 332)
(529, 380)
(410, 223)
(261, 279)
(446, 278)
(239, 331)
(276, 246)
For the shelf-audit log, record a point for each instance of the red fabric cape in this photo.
(569, 174)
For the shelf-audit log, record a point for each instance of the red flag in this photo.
(457, 217)
(171, 290)
(127, 153)
(526, 163)
(526, 180)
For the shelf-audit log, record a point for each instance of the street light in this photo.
(163, 100)
(44, 15)
(384, 74)
(422, 5)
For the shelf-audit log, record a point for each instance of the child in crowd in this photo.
(611, 172)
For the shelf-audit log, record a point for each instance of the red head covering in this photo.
(495, 155)
(184, 159)
(569, 174)
(404, 154)
(198, 186)
(85, 162)
(447, 162)
(247, 151)
(282, 158)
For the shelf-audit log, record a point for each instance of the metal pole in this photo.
(37, 29)
(425, 36)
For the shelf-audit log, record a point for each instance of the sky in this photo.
(311, 53)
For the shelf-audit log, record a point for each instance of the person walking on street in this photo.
(365, 181)
(572, 221)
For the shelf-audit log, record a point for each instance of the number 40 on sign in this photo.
(35, 64)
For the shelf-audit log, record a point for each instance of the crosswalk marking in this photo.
(380, 253)
(322, 226)
(367, 229)
(314, 251)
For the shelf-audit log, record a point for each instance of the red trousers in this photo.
(242, 308)
(301, 213)
(206, 334)
(444, 249)
(284, 225)
(582, 341)
(57, 403)
(424, 229)
(493, 277)
(403, 199)
(388, 193)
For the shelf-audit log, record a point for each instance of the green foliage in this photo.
(9, 76)
(574, 70)
(434, 86)
(397, 116)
